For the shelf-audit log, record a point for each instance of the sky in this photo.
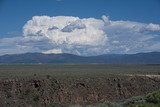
(81, 27)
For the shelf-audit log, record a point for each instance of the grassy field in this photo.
(75, 70)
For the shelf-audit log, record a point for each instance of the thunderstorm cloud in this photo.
(86, 36)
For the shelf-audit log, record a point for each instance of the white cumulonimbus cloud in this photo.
(86, 36)
(70, 34)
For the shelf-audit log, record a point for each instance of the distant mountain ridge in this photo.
(36, 58)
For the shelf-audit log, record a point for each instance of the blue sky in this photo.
(86, 26)
(15, 13)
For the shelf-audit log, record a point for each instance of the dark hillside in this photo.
(140, 58)
(56, 91)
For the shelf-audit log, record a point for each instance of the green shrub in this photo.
(134, 100)
(76, 105)
(153, 97)
(144, 105)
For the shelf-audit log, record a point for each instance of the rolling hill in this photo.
(35, 58)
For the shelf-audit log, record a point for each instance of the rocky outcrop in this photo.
(58, 91)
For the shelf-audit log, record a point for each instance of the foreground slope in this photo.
(49, 85)
(59, 92)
